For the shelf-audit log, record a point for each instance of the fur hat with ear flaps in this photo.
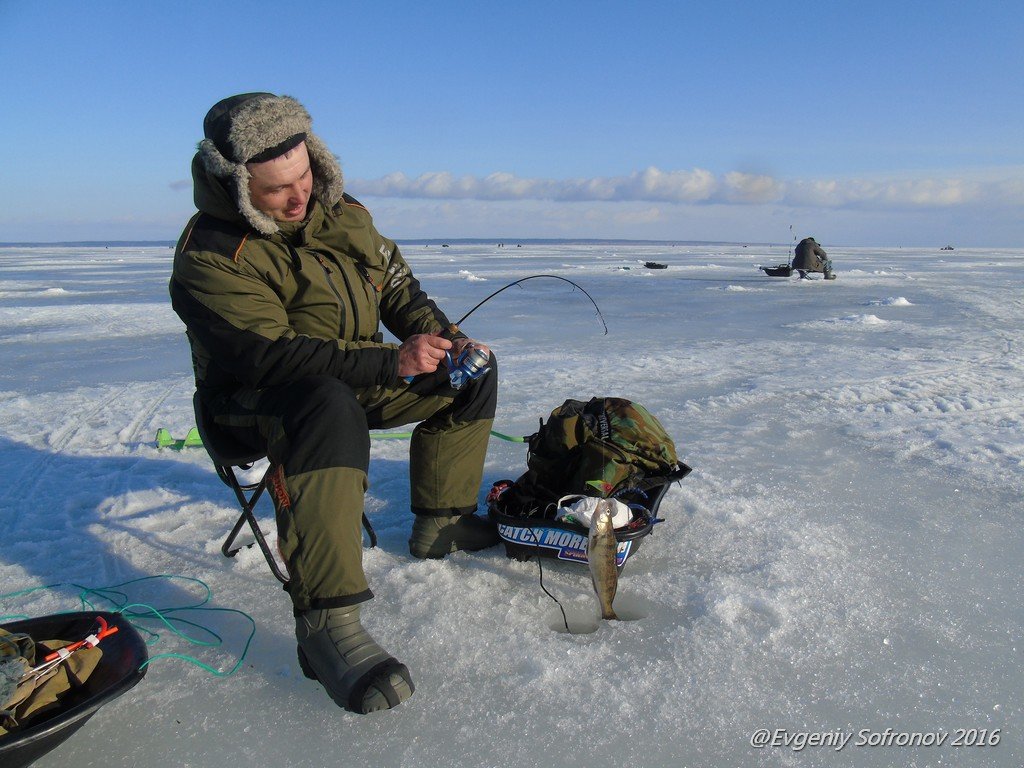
(256, 127)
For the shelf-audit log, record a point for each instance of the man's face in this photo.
(281, 187)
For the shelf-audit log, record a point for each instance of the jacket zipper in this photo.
(348, 289)
(372, 292)
(341, 302)
(355, 304)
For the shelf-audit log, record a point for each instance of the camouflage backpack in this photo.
(600, 448)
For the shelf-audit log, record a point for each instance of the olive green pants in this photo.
(316, 431)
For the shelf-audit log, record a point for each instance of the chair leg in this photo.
(226, 548)
(369, 531)
(248, 516)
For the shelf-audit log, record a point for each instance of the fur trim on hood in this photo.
(241, 127)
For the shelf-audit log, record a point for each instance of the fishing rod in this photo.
(534, 277)
(472, 362)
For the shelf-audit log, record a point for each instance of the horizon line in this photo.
(474, 241)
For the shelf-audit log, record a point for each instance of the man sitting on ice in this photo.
(282, 282)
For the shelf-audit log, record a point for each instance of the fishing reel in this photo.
(472, 363)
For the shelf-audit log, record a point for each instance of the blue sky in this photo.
(863, 123)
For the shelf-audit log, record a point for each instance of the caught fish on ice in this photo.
(601, 546)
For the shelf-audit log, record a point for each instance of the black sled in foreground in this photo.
(119, 669)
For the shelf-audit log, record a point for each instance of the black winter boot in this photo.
(434, 537)
(357, 673)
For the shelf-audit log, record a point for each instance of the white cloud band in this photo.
(702, 186)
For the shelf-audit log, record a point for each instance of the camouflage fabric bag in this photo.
(603, 447)
(25, 696)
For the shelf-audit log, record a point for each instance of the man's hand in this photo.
(422, 353)
(460, 344)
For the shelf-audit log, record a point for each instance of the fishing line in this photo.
(540, 569)
(534, 277)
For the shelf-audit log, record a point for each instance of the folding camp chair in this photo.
(227, 455)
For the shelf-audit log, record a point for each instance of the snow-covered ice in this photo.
(846, 554)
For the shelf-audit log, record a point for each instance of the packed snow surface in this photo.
(843, 562)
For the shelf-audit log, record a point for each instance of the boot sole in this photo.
(304, 665)
(390, 679)
(439, 552)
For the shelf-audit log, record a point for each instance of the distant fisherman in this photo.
(283, 284)
(811, 257)
(601, 546)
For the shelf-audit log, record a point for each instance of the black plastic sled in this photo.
(780, 270)
(120, 668)
(526, 537)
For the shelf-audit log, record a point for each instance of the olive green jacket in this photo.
(267, 310)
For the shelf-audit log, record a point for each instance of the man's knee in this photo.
(318, 398)
(324, 425)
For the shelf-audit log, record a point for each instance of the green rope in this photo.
(192, 439)
(170, 617)
(407, 435)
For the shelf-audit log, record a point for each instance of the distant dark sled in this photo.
(781, 270)
(124, 653)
